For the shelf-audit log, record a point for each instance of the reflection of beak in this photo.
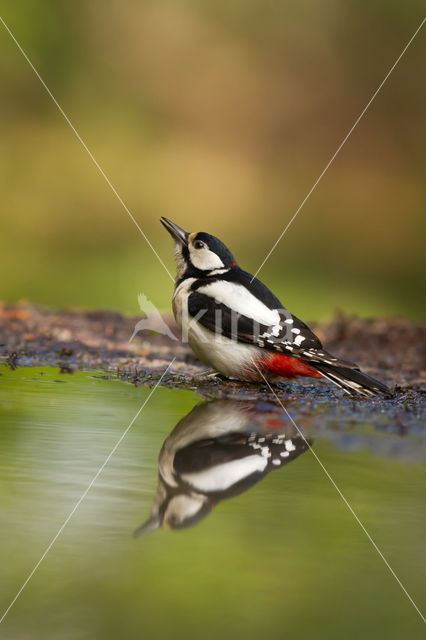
(147, 527)
(176, 232)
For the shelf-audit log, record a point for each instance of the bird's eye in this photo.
(198, 244)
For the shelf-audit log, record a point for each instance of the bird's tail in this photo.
(352, 380)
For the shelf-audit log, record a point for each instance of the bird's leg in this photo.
(203, 373)
(208, 374)
(219, 376)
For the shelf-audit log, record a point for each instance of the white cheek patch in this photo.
(183, 506)
(204, 259)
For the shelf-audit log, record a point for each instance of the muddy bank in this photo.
(393, 349)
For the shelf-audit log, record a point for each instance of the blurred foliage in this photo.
(220, 116)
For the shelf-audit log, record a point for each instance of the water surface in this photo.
(276, 555)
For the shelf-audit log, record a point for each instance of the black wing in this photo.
(291, 336)
(265, 295)
(222, 320)
(276, 450)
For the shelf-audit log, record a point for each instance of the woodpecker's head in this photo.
(175, 509)
(198, 253)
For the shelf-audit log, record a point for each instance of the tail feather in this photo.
(353, 381)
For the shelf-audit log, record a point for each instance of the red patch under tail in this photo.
(288, 367)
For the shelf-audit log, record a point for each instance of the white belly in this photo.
(229, 357)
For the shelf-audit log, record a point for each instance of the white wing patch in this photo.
(238, 298)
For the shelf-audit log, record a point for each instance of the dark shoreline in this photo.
(390, 348)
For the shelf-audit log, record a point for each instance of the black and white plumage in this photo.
(236, 325)
(219, 450)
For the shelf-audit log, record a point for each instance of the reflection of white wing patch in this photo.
(225, 475)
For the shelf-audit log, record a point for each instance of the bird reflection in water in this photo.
(218, 451)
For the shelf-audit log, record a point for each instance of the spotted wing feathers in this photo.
(287, 335)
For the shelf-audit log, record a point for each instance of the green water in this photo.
(285, 558)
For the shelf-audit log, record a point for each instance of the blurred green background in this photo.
(220, 116)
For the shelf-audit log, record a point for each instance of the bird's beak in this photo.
(176, 232)
(148, 527)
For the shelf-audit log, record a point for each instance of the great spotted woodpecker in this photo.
(218, 451)
(236, 325)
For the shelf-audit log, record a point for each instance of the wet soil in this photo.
(391, 349)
